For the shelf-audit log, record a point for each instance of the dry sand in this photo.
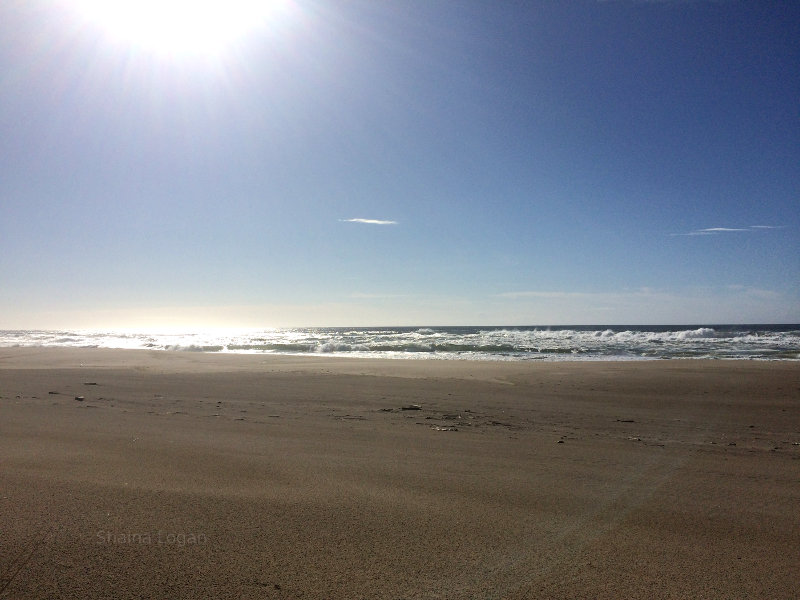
(184, 475)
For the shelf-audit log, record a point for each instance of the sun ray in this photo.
(176, 27)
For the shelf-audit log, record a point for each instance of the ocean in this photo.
(563, 343)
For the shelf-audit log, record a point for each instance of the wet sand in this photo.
(183, 475)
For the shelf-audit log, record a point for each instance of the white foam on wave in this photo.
(508, 343)
(702, 332)
(194, 348)
(330, 347)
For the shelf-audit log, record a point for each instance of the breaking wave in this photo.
(760, 342)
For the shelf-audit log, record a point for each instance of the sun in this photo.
(176, 27)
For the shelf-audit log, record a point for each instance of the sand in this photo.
(183, 475)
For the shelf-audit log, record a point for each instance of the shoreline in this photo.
(38, 353)
(405, 356)
(307, 476)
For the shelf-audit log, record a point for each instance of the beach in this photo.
(156, 474)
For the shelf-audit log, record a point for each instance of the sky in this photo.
(422, 162)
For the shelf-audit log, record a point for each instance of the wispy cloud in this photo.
(363, 296)
(539, 294)
(722, 230)
(369, 221)
(568, 296)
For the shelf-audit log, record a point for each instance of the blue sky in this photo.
(416, 162)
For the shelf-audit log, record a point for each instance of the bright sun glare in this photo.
(177, 27)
